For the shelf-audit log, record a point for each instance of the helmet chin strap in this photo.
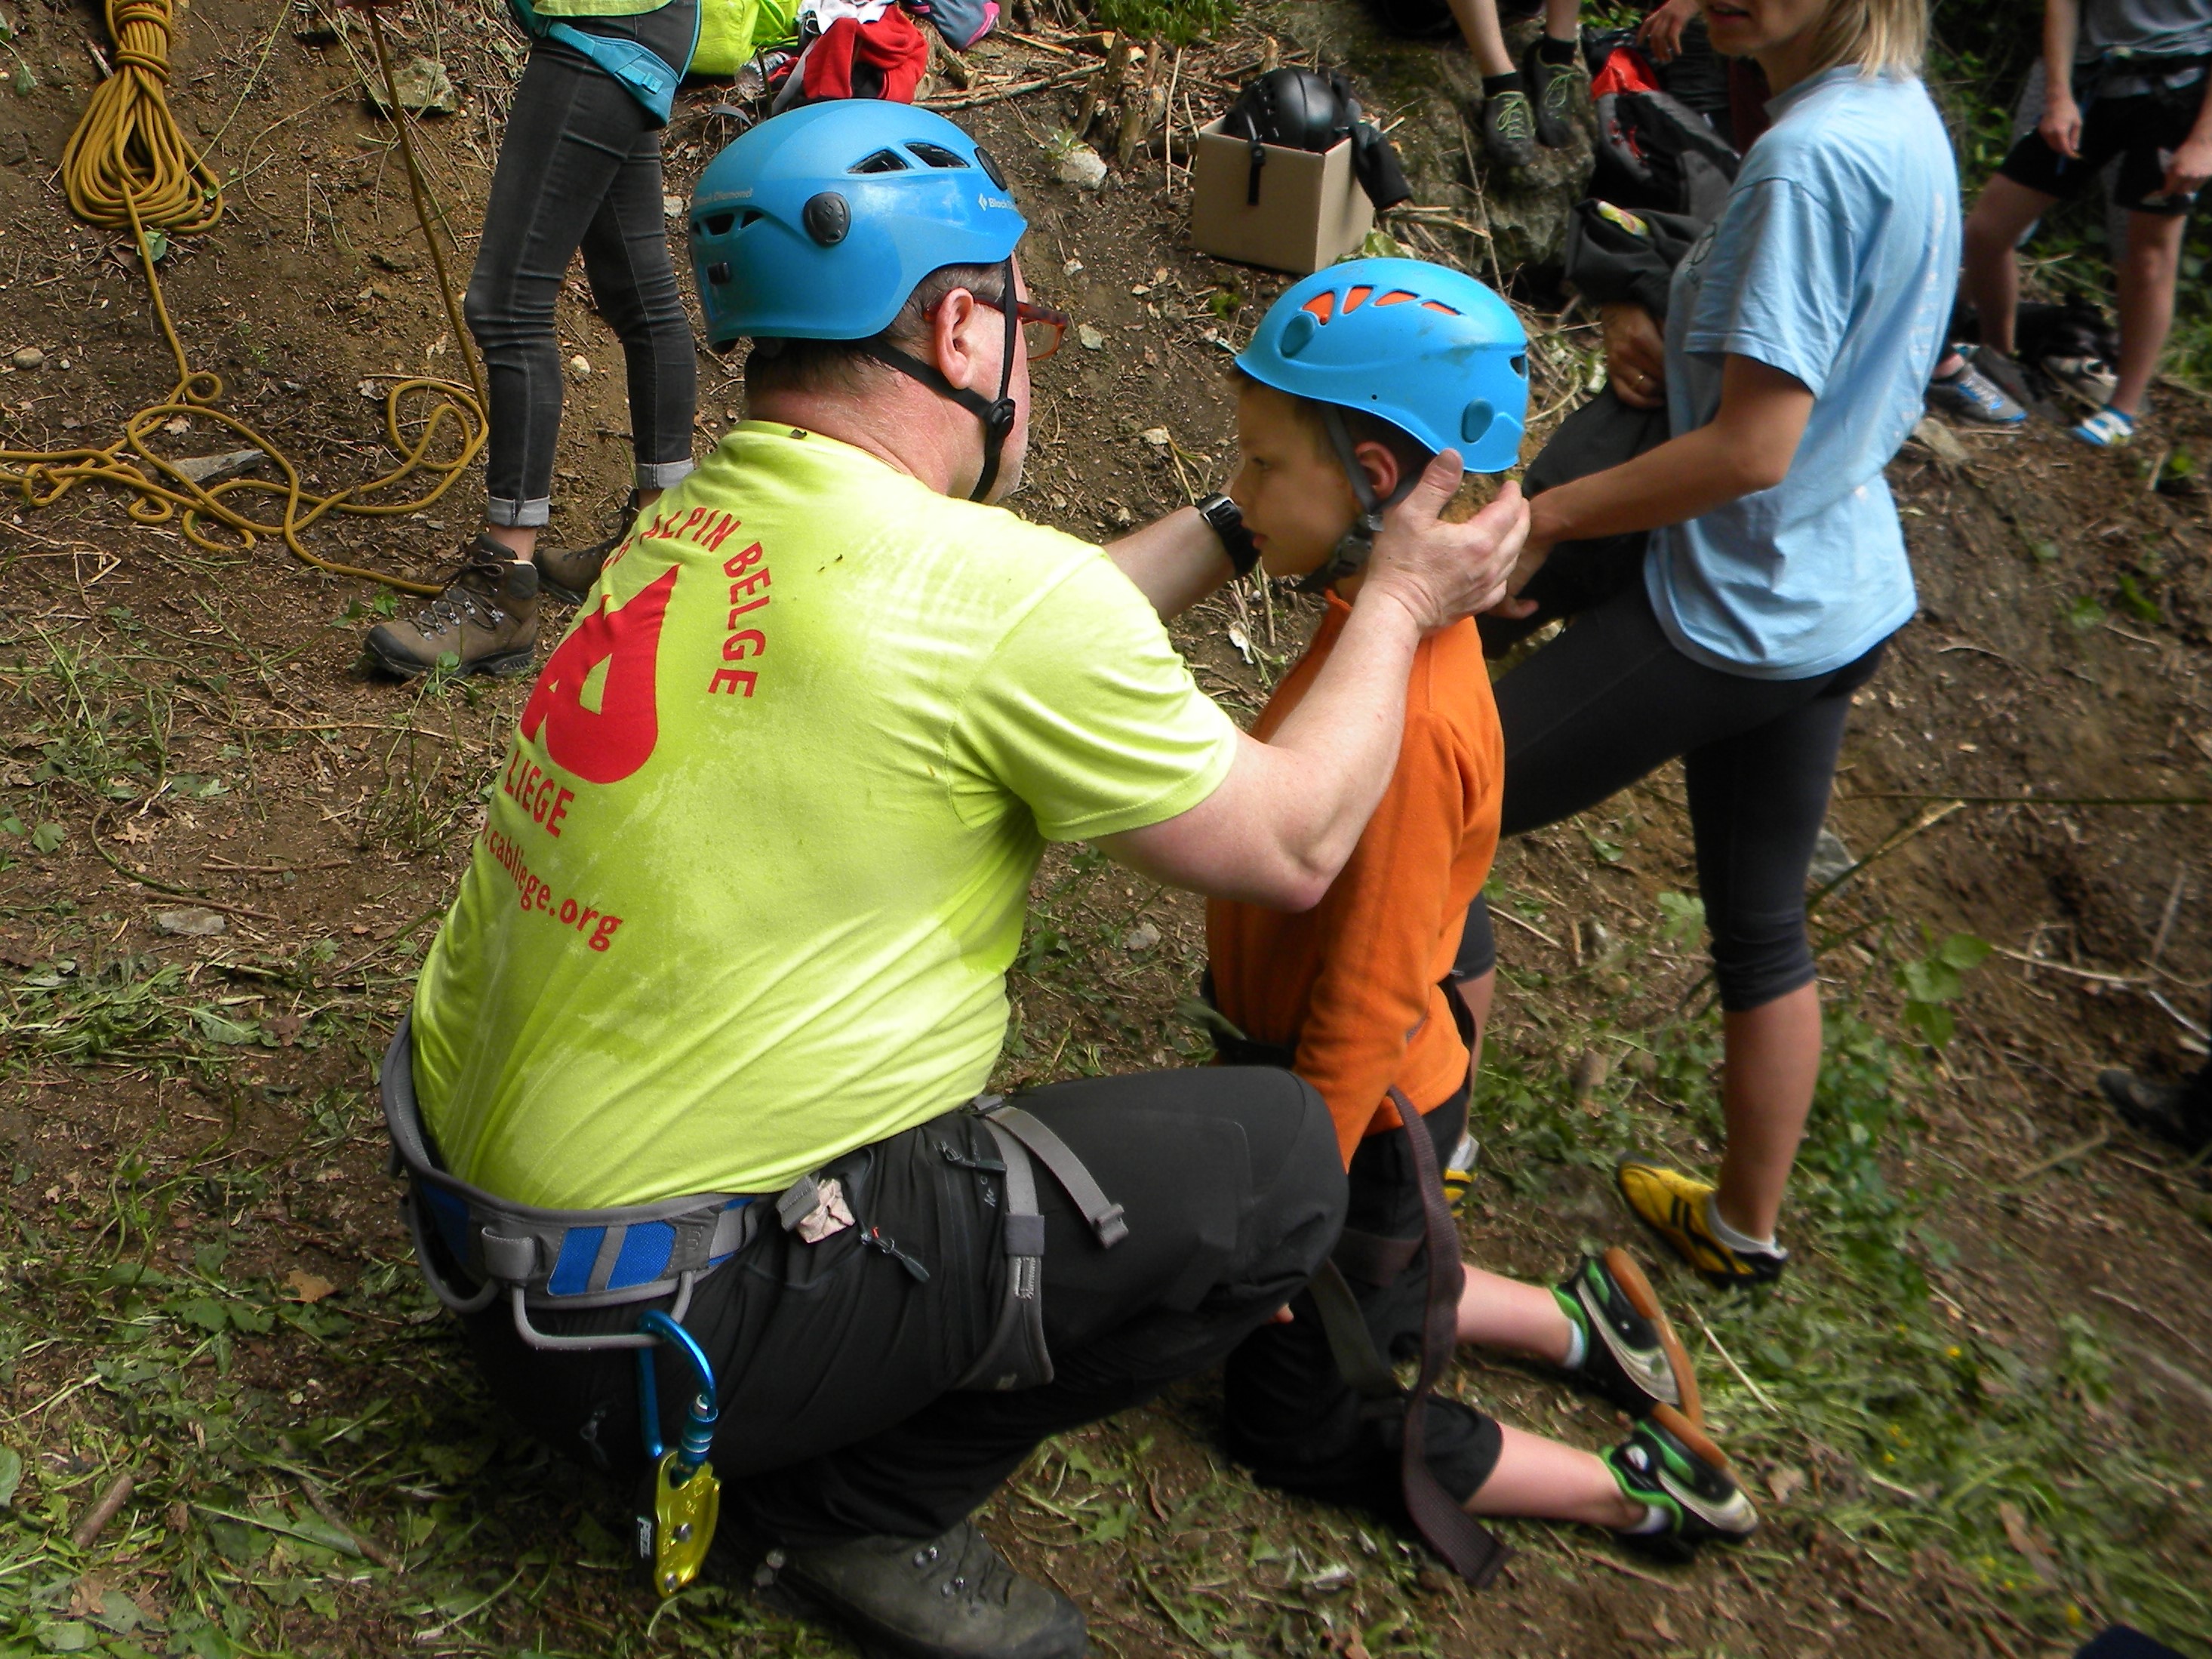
(997, 413)
(1353, 547)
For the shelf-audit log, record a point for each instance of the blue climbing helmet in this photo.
(819, 223)
(1430, 350)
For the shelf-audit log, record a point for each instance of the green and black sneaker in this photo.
(1630, 1354)
(1672, 1468)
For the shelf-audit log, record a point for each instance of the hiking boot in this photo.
(952, 1597)
(1680, 1211)
(1669, 1465)
(1630, 1354)
(1509, 129)
(1969, 395)
(2089, 378)
(568, 573)
(1550, 95)
(486, 620)
(2177, 1113)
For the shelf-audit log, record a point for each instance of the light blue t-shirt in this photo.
(1833, 260)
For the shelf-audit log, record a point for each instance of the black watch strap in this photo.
(1222, 517)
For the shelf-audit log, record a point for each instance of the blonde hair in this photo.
(1882, 37)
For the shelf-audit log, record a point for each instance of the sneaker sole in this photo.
(1642, 1298)
(788, 1593)
(1699, 1441)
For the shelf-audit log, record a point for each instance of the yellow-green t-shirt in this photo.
(758, 860)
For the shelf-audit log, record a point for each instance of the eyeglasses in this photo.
(1042, 327)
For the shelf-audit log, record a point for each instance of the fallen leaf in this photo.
(1241, 640)
(1156, 437)
(1662, 1629)
(1142, 936)
(285, 1028)
(1785, 1484)
(2018, 1535)
(309, 1287)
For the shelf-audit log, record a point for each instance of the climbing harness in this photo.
(638, 69)
(128, 168)
(545, 1261)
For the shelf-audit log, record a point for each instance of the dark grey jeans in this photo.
(580, 166)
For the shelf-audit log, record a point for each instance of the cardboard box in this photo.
(1311, 212)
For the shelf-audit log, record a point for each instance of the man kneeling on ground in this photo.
(739, 923)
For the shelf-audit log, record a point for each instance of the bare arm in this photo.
(2061, 125)
(1291, 811)
(1745, 448)
(1175, 562)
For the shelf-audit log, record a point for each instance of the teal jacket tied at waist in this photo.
(638, 70)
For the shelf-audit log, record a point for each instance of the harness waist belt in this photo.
(638, 69)
(553, 1259)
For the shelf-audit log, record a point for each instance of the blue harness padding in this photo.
(552, 1258)
(641, 72)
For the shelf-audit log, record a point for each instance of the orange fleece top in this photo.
(1354, 981)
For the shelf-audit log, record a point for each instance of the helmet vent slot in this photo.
(718, 224)
(934, 155)
(1519, 363)
(884, 161)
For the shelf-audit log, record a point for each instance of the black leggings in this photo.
(835, 1360)
(1610, 702)
(580, 166)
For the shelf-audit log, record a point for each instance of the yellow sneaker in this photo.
(1677, 1209)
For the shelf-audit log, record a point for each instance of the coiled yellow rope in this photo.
(128, 168)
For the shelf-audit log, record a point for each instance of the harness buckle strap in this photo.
(1107, 1222)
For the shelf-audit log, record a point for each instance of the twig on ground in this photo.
(1526, 926)
(323, 1506)
(1743, 1376)
(2064, 1155)
(2122, 1302)
(96, 1518)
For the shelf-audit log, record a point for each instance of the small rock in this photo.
(580, 368)
(205, 470)
(194, 923)
(1082, 167)
(423, 86)
(1156, 437)
(1939, 442)
(1831, 859)
(1089, 338)
(28, 357)
(1142, 936)
(672, 207)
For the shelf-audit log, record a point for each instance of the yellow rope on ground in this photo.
(128, 168)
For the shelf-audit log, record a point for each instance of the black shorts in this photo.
(2143, 131)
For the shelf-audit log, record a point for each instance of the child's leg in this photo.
(1505, 1313)
(1478, 21)
(1544, 1481)
(1562, 19)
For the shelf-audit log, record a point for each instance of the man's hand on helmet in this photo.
(1438, 571)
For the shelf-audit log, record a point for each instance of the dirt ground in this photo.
(1973, 1414)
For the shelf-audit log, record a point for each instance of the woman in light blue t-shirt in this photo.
(1799, 333)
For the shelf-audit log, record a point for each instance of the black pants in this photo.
(1288, 1413)
(580, 166)
(1612, 700)
(834, 1361)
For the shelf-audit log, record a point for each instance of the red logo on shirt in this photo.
(607, 746)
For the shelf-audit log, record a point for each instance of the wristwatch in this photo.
(1227, 522)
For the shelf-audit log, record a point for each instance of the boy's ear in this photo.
(1380, 465)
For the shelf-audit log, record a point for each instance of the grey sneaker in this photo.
(1509, 129)
(1970, 395)
(486, 620)
(952, 1597)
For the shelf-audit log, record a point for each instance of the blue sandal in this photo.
(2108, 428)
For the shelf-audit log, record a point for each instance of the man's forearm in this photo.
(1175, 562)
(1340, 745)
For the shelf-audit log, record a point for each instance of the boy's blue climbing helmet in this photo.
(818, 223)
(1426, 348)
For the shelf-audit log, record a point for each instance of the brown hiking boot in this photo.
(486, 620)
(568, 572)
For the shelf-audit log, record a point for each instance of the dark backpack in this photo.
(1653, 150)
(1416, 19)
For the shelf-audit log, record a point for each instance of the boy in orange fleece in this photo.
(1355, 378)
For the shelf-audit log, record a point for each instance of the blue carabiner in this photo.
(698, 1440)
